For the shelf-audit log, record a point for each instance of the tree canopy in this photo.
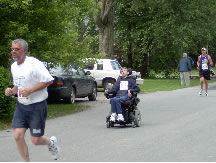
(148, 35)
(154, 34)
(51, 27)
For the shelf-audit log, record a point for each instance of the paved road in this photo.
(176, 126)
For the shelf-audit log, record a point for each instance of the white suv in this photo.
(107, 71)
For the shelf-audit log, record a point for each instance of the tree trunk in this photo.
(104, 21)
(106, 40)
(130, 48)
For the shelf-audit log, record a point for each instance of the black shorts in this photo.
(31, 116)
(205, 74)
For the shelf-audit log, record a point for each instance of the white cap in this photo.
(203, 49)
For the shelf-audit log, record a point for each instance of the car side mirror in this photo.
(87, 73)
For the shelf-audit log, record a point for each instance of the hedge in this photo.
(6, 103)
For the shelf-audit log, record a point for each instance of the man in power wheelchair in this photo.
(123, 99)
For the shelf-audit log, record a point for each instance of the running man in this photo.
(30, 80)
(203, 65)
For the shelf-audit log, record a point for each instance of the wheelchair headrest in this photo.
(129, 71)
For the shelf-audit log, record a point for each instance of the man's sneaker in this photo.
(120, 117)
(206, 94)
(53, 148)
(113, 117)
(200, 92)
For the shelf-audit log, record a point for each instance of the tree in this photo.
(51, 27)
(153, 34)
(105, 23)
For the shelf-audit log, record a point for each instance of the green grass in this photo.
(153, 85)
(54, 110)
(100, 89)
(5, 123)
(195, 72)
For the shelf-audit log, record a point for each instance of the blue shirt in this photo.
(184, 65)
(122, 85)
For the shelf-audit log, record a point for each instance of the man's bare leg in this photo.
(19, 135)
(201, 85)
(43, 140)
(206, 86)
(201, 82)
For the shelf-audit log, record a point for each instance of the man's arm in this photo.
(27, 91)
(210, 60)
(11, 91)
(135, 87)
(115, 87)
(198, 62)
(189, 65)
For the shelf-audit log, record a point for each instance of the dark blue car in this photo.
(70, 83)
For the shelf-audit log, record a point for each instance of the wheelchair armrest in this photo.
(134, 94)
(108, 96)
(132, 100)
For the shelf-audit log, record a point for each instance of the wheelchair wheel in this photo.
(137, 118)
(112, 124)
(108, 124)
(133, 123)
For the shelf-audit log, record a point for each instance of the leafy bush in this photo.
(163, 74)
(6, 103)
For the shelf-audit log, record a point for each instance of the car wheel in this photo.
(93, 95)
(108, 83)
(71, 99)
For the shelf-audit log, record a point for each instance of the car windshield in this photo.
(115, 65)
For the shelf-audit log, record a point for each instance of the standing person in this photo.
(192, 63)
(123, 89)
(30, 80)
(203, 64)
(184, 68)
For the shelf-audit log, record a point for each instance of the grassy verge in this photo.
(57, 110)
(5, 123)
(153, 85)
(54, 110)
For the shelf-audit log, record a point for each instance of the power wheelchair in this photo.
(130, 112)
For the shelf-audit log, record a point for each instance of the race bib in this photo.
(123, 85)
(204, 64)
(22, 99)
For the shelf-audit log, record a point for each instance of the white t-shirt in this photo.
(28, 74)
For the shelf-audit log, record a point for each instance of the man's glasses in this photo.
(16, 49)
